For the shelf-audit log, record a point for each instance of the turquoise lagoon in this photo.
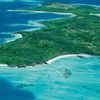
(66, 78)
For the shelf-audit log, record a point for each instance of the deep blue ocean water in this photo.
(71, 78)
(11, 22)
(9, 92)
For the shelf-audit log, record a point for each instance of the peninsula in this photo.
(73, 35)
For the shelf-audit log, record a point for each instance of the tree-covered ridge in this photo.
(79, 34)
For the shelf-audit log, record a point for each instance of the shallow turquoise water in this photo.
(71, 78)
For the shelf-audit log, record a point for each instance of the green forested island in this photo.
(74, 35)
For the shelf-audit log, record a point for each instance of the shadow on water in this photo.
(9, 92)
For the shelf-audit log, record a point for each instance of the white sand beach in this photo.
(66, 56)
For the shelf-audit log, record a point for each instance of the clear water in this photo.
(70, 78)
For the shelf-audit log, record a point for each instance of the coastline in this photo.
(51, 60)
(17, 36)
(67, 56)
(59, 37)
(34, 11)
(36, 23)
(95, 14)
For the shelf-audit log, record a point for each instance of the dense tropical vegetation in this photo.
(74, 35)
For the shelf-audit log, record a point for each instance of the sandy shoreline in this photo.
(98, 14)
(61, 13)
(66, 56)
(51, 60)
(36, 23)
(17, 36)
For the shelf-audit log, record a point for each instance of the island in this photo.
(74, 35)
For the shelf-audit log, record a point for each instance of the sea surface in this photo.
(67, 78)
